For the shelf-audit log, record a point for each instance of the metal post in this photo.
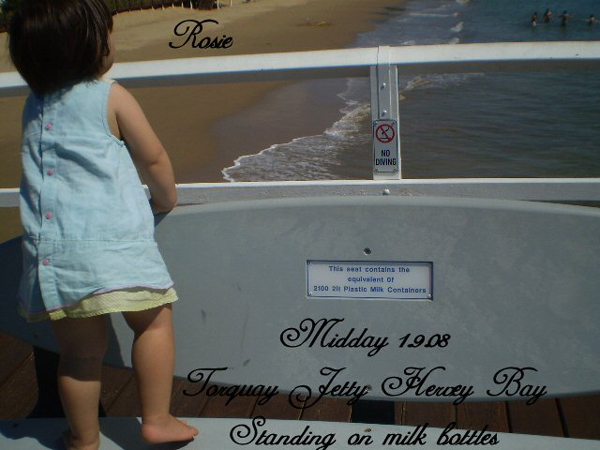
(385, 117)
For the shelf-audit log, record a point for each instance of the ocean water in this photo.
(542, 124)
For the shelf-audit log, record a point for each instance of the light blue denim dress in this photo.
(88, 226)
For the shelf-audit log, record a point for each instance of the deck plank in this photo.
(374, 411)
(240, 407)
(334, 410)
(541, 418)
(126, 403)
(399, 412)
(48, 401)
(476, 415)
(581, 416)
(436, 414)
(19, 392)
(13, 353)
(186, 405)
(113, 382)
(277, 408)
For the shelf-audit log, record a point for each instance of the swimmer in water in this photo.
(564, 17)
(547, 16)
(592, 20)
(534, 19)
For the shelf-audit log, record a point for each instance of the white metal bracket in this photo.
(385, 118)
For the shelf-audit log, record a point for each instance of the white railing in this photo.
(381, 64)
(419, 59)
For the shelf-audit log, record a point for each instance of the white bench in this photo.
(514, 286)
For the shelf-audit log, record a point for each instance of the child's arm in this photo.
(147, 152)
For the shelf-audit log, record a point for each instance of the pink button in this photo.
(46, 261)
(49, 215)
(48, 126)
(50, 172)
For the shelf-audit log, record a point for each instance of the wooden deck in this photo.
(568, 417)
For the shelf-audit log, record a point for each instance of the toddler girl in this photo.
(88, 245)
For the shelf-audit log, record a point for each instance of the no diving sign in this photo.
(385, 146)
(385, 133)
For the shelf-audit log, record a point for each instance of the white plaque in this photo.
(399, 280)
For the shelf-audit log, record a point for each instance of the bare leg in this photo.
(82, 346)
(153, 357)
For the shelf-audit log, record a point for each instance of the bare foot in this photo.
(167, 429)
(75, 444)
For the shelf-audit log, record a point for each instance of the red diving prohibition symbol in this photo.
(385, 133)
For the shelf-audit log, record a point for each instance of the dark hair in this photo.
(54, 43)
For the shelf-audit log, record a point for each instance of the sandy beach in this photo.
(187, 118)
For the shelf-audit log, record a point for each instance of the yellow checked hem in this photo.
(128, 299)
